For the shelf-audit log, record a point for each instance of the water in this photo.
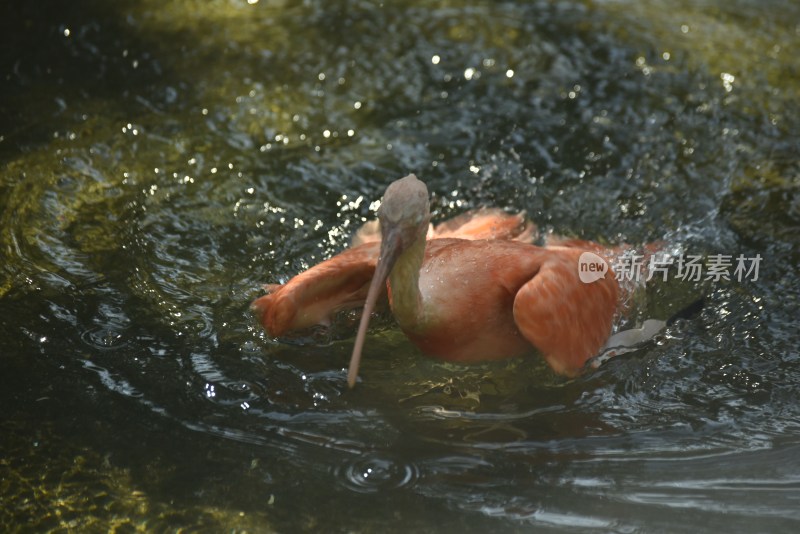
(158, 164)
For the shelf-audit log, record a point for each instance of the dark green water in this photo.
(159, 162)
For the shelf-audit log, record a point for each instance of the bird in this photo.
(472, 289)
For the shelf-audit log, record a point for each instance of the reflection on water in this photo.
(159, 164)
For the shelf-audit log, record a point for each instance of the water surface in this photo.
(159, 164)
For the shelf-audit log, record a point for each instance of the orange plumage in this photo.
(468, 290)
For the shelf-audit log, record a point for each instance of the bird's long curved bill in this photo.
(390, 251)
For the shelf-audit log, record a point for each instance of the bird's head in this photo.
(404, 213)
(404, 216)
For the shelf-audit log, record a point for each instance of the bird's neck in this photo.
(406, 301)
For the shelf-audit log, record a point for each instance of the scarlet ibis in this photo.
(468, 291)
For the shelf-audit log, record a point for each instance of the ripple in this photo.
(113, 382)
(103, 338)
(374, 473)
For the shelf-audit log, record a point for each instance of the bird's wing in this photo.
(566, 319)
(487, 224)
(312, 297)
(473, 225)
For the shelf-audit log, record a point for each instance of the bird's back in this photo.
(489, 300)
(467, 290)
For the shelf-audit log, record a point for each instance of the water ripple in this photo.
(376, 473)
(104, 338)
